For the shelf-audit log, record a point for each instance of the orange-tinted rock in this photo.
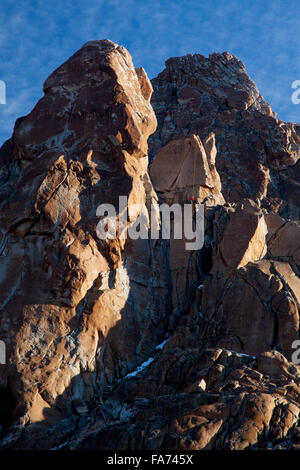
(191, 174)
(74, 308)
(244, 238)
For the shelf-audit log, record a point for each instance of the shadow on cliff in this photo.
(142, 324)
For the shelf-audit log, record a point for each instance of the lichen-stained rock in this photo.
(248, 403)
(257, 154)
(132, 344)
(257, 168)
(77, 311)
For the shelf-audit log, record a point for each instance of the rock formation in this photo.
(130, 343)
(78, 312)
(257, 155)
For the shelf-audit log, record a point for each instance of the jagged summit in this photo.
(135, 343)
(258, 155)
(221, 76)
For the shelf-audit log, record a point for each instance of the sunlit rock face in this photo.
(142, 343)
(192, 174)
(77, 311)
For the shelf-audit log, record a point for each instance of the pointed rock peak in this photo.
(221, 75)
(103, 44)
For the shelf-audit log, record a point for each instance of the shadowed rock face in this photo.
(251, 194)
(211, 330)
(257, 155)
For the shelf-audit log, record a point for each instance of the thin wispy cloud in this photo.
(36, 37)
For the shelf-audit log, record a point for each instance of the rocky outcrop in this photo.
(215, 400)
(74, 306)
(184, 173)
(130, 343)
(249, 302)
(257, 154)
(190, 400)
(192, 175)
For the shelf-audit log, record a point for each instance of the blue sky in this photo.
(37, 36)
